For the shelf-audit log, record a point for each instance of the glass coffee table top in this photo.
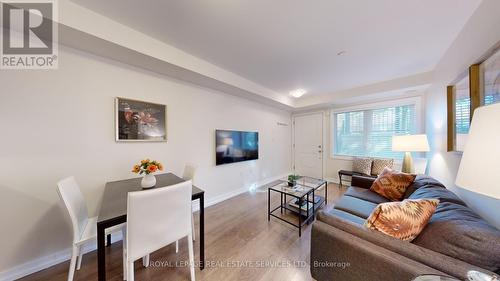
(304, 185)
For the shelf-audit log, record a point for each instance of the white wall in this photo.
(60, 123)
(480, 34)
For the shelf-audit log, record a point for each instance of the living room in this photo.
(285, 131)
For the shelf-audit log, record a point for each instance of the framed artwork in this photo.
(490, 79)
(140, 121)
(463, 98)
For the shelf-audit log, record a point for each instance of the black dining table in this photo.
(114, 212)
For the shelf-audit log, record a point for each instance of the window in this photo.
(368, 131)
(462, 106)
(462, 115)
(491, 78)
(490, 99)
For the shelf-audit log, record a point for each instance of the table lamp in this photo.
(479, 168)
(409, 144)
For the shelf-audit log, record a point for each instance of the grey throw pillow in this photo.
(362, 165)
(378, 165)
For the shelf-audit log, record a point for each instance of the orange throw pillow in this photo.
(392, 184)
(403, 220)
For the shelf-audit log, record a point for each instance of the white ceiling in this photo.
(289, 44)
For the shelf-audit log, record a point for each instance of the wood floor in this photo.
(239, 242)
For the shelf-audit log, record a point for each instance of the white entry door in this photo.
(308, 145)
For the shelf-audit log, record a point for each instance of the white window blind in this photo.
(462, 115)
(369, 132)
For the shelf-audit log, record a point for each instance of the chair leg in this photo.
(72, 264)
(177, 246)
(124, 247)
(191, 257)
(192, 226)
(145, 260)
(124, 236)
(130, 271)
(80, 256)
(125, 268)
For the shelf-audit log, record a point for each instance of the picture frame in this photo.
(463, 97)
(140, 121)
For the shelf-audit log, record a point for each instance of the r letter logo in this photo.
(29, 35)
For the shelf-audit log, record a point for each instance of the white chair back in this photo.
(156, 218)
(189, 171)
(75, 204)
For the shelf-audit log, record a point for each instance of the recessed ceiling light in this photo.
(341, 53)
(297, 93)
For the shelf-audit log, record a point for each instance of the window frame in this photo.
(419, 118)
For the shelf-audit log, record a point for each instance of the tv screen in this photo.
(235, 146)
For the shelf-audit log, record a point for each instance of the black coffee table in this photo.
(304, 200)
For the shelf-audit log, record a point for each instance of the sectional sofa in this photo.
(454, 241)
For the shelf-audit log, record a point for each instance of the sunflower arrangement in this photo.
(147, 167)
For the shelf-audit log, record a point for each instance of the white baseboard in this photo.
(42, 263)
(64, 255)
(225, 196)
(34, 266)
(219, 198)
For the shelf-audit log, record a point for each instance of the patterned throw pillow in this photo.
(362, 165)
(403, 220)
(380, 164)
(392, 184)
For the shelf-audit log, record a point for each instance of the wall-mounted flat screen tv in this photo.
(235, 146)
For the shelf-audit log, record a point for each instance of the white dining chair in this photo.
(188, 174)
(155, 219)
(84, 228)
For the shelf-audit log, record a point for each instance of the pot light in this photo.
(297, 93)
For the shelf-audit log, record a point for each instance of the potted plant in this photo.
(292, 180)
(147, 168)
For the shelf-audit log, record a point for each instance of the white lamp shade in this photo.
(410, 143)
(480, 166)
